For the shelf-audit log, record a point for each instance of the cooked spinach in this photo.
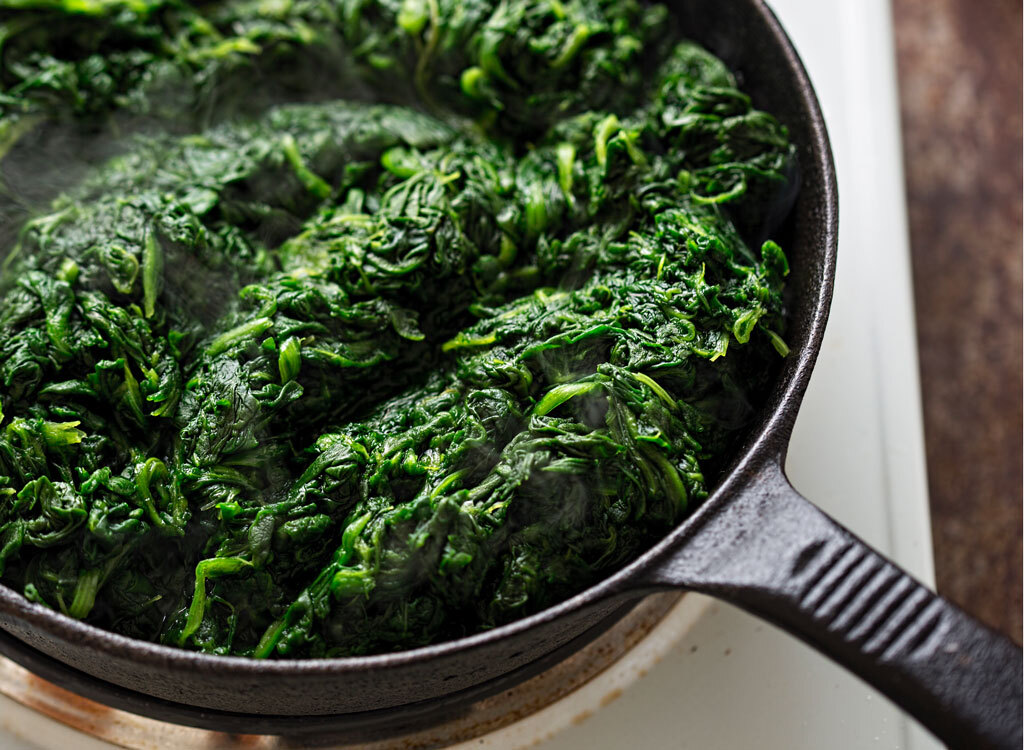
(295, 373)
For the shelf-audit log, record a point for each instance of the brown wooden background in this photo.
(960, 93)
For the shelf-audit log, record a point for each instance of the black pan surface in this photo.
(749, 39)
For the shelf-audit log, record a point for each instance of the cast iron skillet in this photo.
(755, 543)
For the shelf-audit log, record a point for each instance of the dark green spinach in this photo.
(300, 375)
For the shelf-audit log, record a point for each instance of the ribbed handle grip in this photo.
(777, 556)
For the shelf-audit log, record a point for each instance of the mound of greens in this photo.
(299, 368)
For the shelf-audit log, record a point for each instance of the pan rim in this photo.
(765, 447)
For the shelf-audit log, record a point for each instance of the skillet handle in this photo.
(775, 554)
